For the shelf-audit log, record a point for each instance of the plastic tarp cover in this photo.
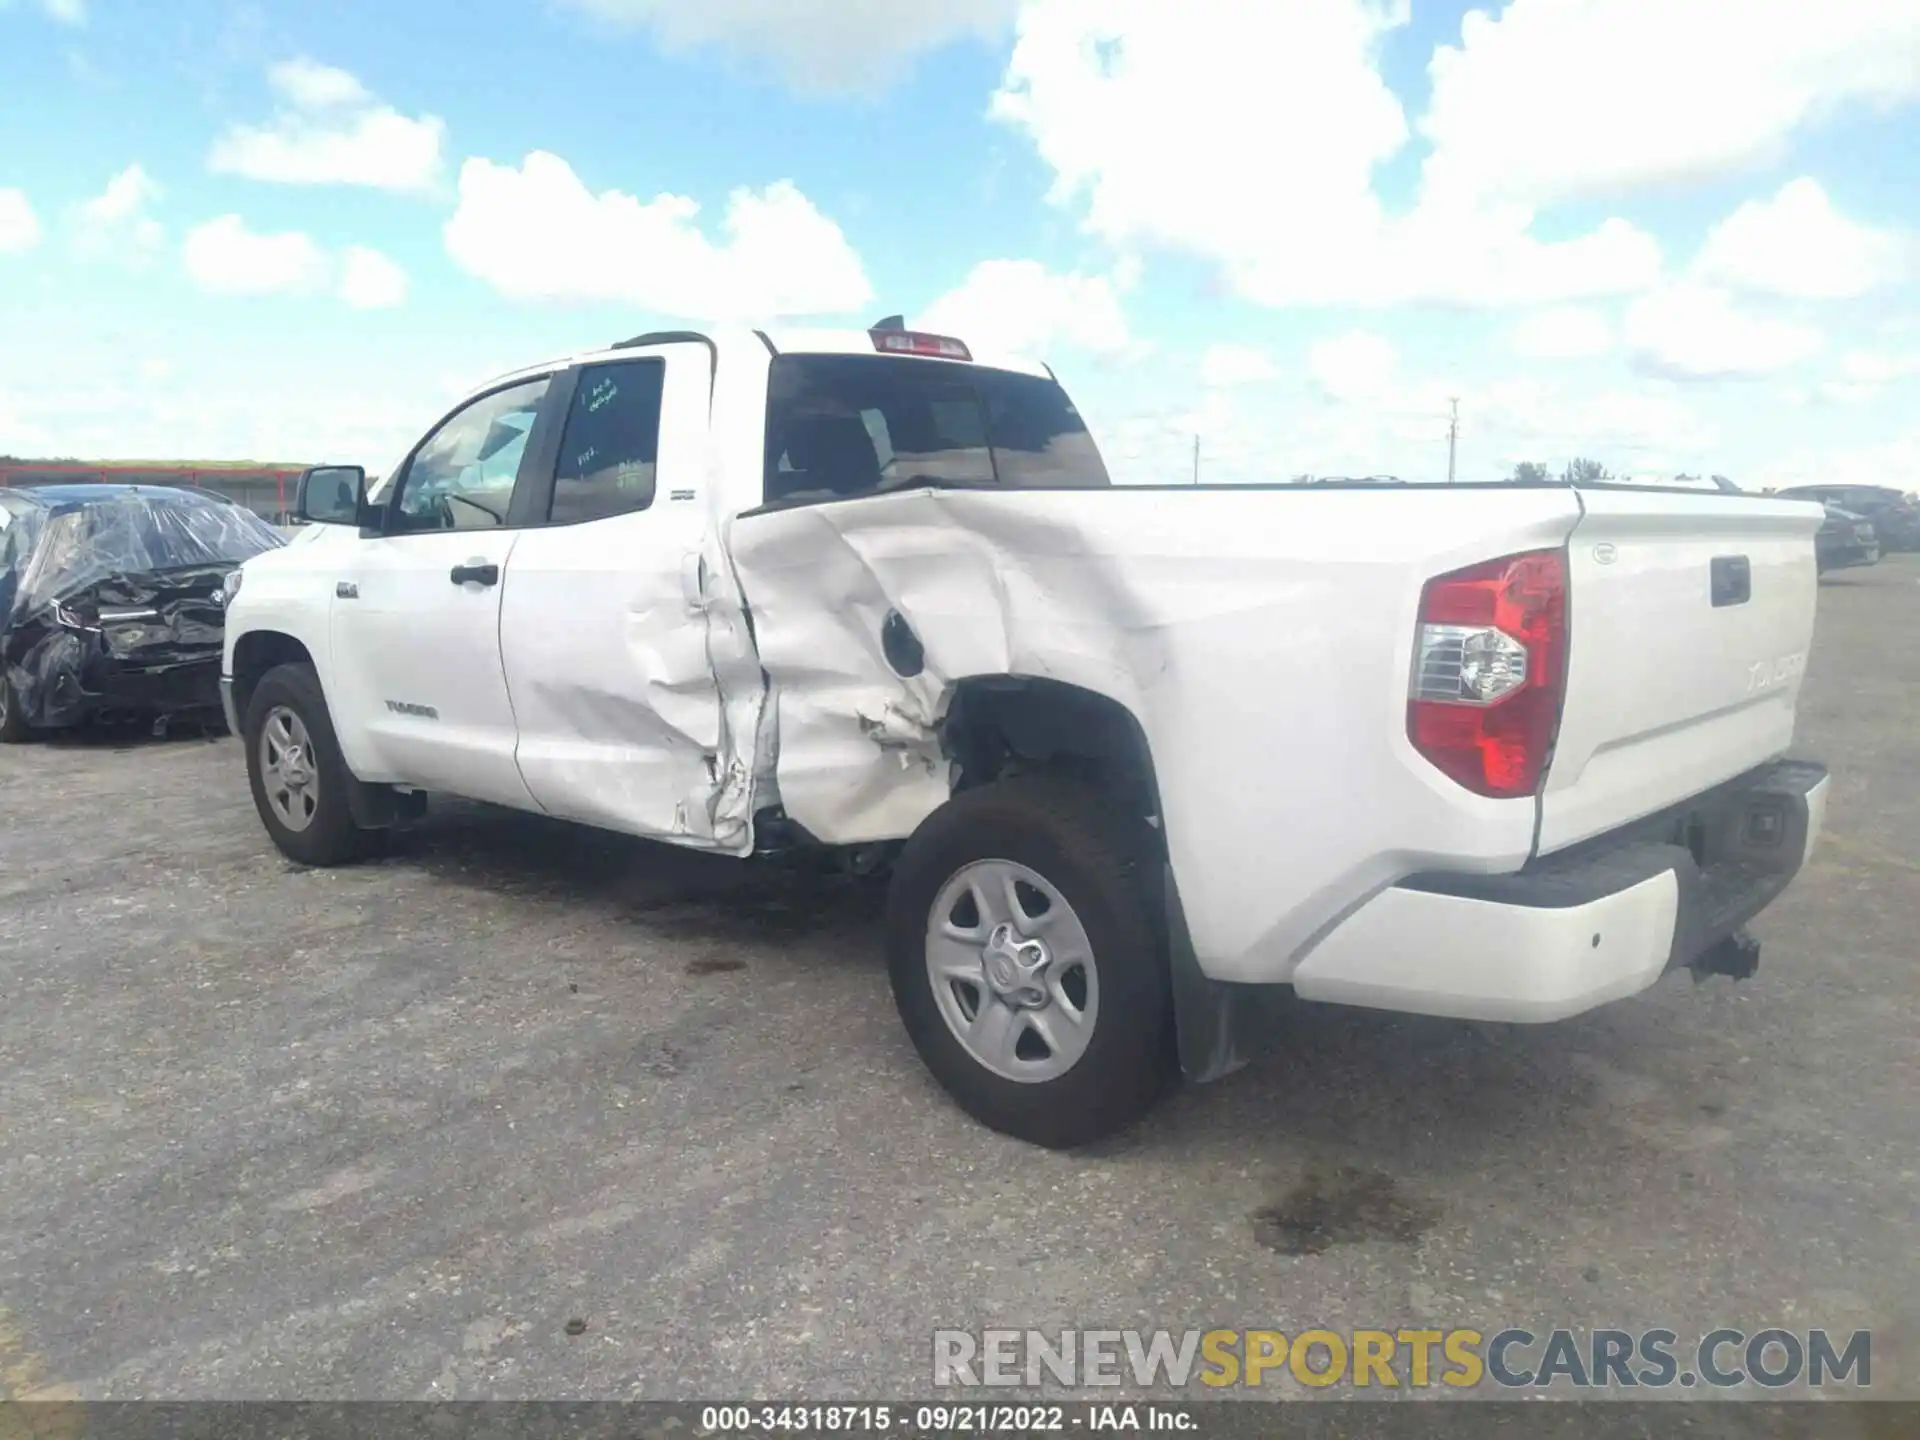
(131, 580)
(137, 534)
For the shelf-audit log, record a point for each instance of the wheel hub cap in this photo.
(1016, 968)
(1012, 970)
(287, 770)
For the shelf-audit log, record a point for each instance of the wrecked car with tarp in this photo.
(111, 601)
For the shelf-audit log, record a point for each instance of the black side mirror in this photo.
(332, 495)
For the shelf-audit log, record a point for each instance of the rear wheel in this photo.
(298, 776)
(1026, 962)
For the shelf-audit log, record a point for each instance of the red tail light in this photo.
(1489, 674)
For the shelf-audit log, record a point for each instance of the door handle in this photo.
(1731, 580)
(475, 573)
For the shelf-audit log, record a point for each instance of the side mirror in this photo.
(332, 495)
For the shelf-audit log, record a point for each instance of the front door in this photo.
(416, 613)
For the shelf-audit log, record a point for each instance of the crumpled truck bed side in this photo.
(1261, 638)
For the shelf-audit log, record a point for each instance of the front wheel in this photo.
(297, 773)
(14, 729)
(1026, 963)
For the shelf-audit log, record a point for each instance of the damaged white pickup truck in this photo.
(1139, 759)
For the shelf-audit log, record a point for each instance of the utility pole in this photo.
(1453, 438)
(1196, 459)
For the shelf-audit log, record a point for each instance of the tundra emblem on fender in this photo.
(1605, 554)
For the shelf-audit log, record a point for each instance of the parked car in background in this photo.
(1845, 541)
(1894, 516)
(110, 600)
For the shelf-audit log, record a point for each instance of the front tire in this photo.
(14, 729)
(298, 776)
(1027, 964)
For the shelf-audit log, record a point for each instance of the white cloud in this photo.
(1525, 108)
(1875, 368)
(218, 407)
(1354, 366)
(535, 232)
(1567, 333)
(1690, 331)
(116, 223)
(1894, 461)
(851, 45)
(1227, 366)
(224, 257)
(331, 131)
(66, 12)
(370, 281)
(19, 227)
(1146, 112)
(1796, 245)
(1020, 305)
(310, 85)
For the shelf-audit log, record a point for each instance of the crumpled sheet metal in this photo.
(1261, 640)
(136, 534)
(132, 581)
(859, 757)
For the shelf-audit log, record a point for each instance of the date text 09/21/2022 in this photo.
(943, 1419)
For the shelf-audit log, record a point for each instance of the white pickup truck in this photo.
(1138, 758)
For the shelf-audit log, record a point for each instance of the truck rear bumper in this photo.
(1591, 924)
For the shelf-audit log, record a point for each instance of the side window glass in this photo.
(610, 449)
(462, 476)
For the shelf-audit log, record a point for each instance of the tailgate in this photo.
(1691, 616)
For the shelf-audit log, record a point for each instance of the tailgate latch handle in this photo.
(1732, 580)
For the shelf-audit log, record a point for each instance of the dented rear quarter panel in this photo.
(1262, 638)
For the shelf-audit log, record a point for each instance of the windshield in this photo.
(136, 534)
(839, 426)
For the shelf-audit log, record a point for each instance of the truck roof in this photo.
(780, 341)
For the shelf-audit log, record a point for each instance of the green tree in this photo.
(1531, 472)
(1585, 472)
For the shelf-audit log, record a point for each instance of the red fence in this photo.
(267, 490)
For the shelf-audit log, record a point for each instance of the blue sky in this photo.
(1671, 236)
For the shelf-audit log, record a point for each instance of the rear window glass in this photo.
(845, 425)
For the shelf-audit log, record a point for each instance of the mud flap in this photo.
(1220, 1027)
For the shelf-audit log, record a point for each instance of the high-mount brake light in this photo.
(914, 342)
(1489, 676)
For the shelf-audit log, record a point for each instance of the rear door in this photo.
(1691, 618)
(613, 622)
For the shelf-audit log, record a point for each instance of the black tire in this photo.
(331, 837)
(14, 729)
(1098, 858)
